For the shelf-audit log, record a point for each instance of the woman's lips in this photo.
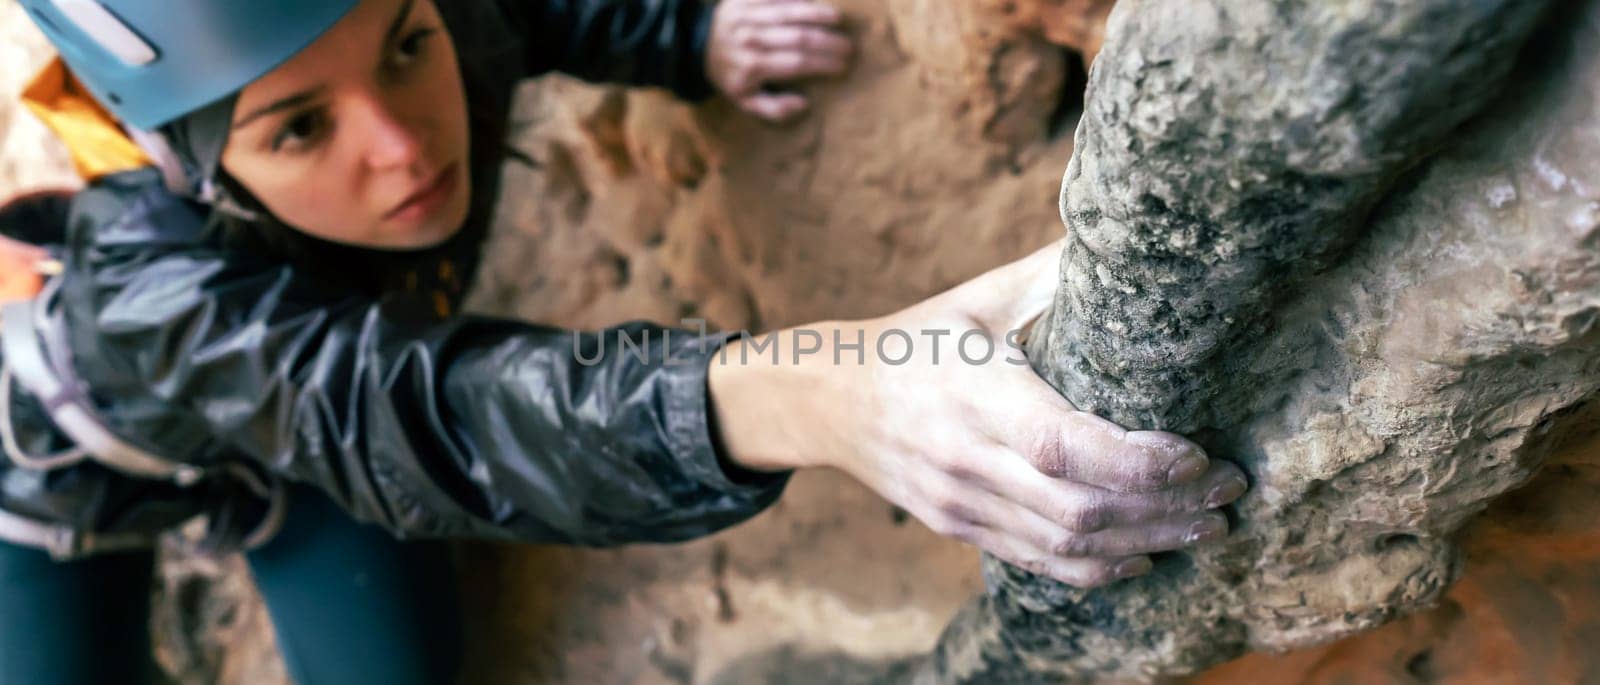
(424, 203)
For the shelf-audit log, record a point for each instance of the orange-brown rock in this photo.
(1076, 24)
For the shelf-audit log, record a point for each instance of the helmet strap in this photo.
(171, 166)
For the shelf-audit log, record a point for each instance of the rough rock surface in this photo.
(644, 208)
(1255, 258)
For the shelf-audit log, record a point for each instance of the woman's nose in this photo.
(391, 141)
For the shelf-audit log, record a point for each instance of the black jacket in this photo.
(211, 342)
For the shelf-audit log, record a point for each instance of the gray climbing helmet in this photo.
(152, 61)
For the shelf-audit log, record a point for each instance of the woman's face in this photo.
(362, 137)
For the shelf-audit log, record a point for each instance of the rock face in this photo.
(1523, 611)
(640, 206)
(1263, 254)
(1077, 24)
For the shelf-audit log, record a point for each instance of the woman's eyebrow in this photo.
(291, 102)
(302, 97)
(399, 22)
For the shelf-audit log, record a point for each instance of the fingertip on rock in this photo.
(1187, 467)
(1130, 568)
(1231, 488)
(1163, 460)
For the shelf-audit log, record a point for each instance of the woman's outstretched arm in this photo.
(463, 426)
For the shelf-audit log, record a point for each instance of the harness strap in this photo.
(63, 542)
(277, 496)
(67, 403)
(8, 435)
(45, 370)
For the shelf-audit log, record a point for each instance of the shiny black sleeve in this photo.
(635, 42)
(469, 426)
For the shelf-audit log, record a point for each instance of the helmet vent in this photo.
(108, 31)
(44, 20)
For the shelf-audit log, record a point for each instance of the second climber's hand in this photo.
(982, 451)
(758, 46)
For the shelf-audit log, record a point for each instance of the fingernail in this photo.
(1225, 493)
(1186, 469)
(1129, 568)
(1206, 531)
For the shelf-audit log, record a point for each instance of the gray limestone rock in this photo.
(1348, 245)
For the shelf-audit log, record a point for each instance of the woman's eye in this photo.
(412, 46)
(299, 132)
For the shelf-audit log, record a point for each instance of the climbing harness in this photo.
(43, 366)
(34, 356)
